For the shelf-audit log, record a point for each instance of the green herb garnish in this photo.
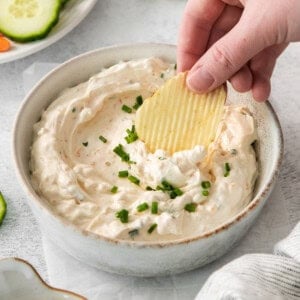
(134, 179)
(149, 188)
(134, 232)
(123, 174)
(151, 228)
(102, 139)
(142, 207)
(190, 207)
(170, 189)
(119, 150)
(205, 184)
(175, 67)
(127, 109)
(85, 144)
(122, 215)
(154, 208)
(162, 75)
(205, 193)
(138, 102)
(114, 189)
(132, 135)
(73, 109)
(226, 169)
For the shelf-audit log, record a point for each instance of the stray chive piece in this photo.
(102, 139)
(134, 232)
(151, 228)
(226, 169)
(123, 174)
(85, 144)
(122, 215)
(190, 207)
(114, 189)
(127, 109)
(170, 189)
(138, 102)
(205, 193)
(175, 67)
(233, 151)
(132, 135)
(142, 207)
(205, 184)
(162, 75)
(73, 109)
(149, 188)
(134, 180)
(154, 208)
(119, 150)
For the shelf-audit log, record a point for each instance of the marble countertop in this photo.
(117, 22)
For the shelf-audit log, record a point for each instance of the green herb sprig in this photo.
(122, 215)
(131, 135)
(119, 150)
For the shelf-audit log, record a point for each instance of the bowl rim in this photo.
(153, 244)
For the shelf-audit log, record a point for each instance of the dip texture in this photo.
(88, 163)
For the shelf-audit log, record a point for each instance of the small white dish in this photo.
(72, 14)
(19, 280)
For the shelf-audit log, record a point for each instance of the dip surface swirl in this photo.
(76, 164)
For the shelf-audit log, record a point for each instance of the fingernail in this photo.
(200, 80)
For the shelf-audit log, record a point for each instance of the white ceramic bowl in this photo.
(130, 257)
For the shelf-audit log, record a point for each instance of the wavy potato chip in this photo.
(176, 119)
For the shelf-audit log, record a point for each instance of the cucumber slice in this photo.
(28, 20)
(2, 208)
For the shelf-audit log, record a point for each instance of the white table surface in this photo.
(116, 22)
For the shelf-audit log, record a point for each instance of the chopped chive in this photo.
(233, 151)
(154, 208)
(73, 109)
(142, 207)
(138, 102)
(134, 179)
(151, 228)
(102, 139)
(205, 193)
(85, 144)
(114, 189)
(190, 207)
(205, 184)
(170, 189)
(175, 67)
(119, 150)
(134, 232)
(226, 169)
(122, 215)
(123, 174)
(127, 109)
(161, 158)
(162, 75)
(149, 188)
(132, 135)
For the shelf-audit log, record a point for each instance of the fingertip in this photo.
(200, 80)
(261, 89)
(242, 80)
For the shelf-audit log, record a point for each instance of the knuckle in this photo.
(221, 55)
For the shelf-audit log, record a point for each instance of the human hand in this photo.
(238, 40)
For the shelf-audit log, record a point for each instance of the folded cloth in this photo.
(259, 276)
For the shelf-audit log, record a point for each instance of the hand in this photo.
(235, 40)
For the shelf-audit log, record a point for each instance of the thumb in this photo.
(225, 57)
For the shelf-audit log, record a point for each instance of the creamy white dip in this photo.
(75, 171)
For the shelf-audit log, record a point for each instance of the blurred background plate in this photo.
(72, 14)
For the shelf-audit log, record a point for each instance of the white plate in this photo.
(20, 281)
(72, 14)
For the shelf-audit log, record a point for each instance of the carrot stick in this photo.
(4, 44)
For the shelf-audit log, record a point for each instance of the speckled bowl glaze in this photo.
(130, 257)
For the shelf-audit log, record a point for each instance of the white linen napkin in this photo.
(274, 223)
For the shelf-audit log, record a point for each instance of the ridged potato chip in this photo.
(176, 119)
